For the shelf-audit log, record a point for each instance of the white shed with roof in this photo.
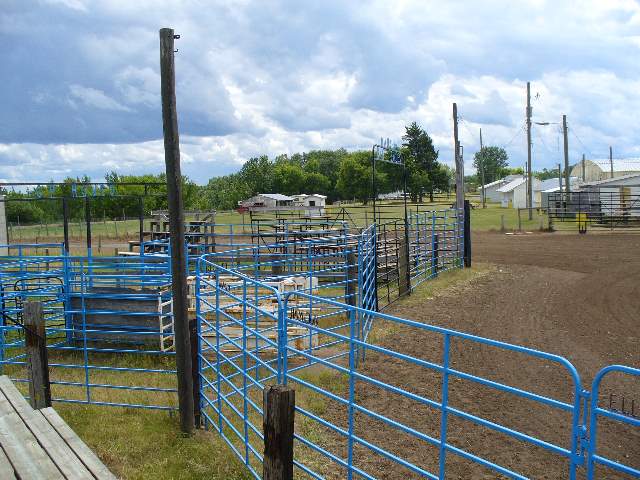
(514, 193)
(269, 200)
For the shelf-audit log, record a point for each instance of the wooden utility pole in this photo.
(611, 159)
(567, 185)
(459, 183)
(529, 172)
(176, 226)
(560, 177)
(584, 174)
(484, 198)
(458, 162)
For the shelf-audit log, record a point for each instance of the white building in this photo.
(619, 196)
(491, 189)
(268, 200)
(552, 186)
(314, 202)
(600, 169)
(514, 193)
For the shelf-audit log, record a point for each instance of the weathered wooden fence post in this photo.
(351, 286)
(278, 426)
(467, 234)
(36, 350)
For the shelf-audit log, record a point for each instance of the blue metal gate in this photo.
(252, 334)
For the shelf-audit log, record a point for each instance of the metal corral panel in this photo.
(129, 311)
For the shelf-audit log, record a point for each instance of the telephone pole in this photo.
(529, 182)
(484, 198)
(459, 165)
(611, 159)
(182, 339)
(567, 185)
(560, 177)
(584, 176)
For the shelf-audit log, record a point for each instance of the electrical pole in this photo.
(176, 227)
(560, 177)
(584, 176)
(529, 174)
(567, 185)
(459, 165)
(459, 183)
(611, 159)
(484, 198)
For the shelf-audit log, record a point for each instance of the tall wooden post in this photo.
(567, 184)
(459, 167)
(529, 170)
(484, 195)
(176, 226)
(459, 179)
(611, 159)
(278, 425)
(35, 339)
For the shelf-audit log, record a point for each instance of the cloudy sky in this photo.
(81, 87)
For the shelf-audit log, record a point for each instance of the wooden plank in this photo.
(83, 452)
(55, 447)
(26, 455)
(6, 469)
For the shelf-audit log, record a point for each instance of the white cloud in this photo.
(95, 98)
(279, 77)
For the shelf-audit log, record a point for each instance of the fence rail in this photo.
(612, 208)
(253, 336)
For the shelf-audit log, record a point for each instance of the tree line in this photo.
(338, 174)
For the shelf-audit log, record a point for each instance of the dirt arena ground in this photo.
(570, 295)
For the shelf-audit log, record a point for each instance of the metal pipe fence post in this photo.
(36, 352)
(278, 427)
(467, 234)
(352, 280)
(404, 280)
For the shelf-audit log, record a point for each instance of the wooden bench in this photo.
(38, 444)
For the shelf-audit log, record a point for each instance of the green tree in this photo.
(495, 161)
(354, 177)
(288, 178)
(424, 159)
(257, 173)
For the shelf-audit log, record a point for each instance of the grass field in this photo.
(112, 233)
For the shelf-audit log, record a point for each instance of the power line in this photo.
(580, 141)
(520, 130)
